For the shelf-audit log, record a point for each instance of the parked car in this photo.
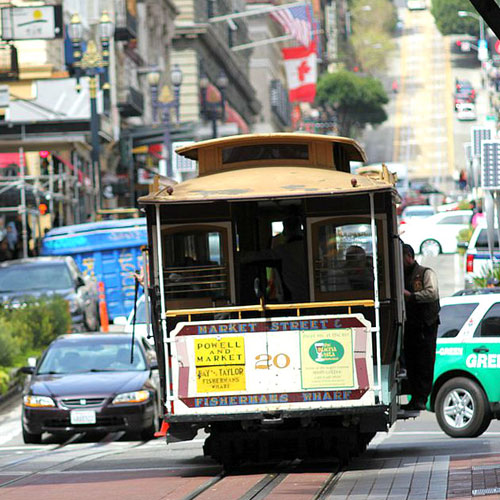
(416, 4)
(466, 394)
(39, 276)
(90, 382)
(466, 112)
(416, 212)
(477, 255)
(463, 96)
(464, 85)
(436, 234)
(141, 329)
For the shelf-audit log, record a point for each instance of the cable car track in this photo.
(289, 470)
(93, 453)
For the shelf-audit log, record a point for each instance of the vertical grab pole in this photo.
(145, 270)
(376, 295)
(163, 307)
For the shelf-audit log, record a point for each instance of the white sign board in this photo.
(4, 96)
(30, 23)
(490, 165)
(271, 364)
(180, 163)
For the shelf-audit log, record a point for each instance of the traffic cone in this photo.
(163, 431)
(103, 309)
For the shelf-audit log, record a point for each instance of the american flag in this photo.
(296, 21)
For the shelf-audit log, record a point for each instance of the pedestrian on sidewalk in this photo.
(394, 86)
(422, 321)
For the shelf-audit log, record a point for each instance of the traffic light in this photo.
(43, 208)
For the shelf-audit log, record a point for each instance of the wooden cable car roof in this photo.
(268, 183)
(352, 149)
(260, 166)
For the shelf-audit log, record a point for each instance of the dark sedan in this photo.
(38, 276)
(88, 382)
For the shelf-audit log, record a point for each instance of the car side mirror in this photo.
(153, 365)
(463, 245)
(28, 370)
(80, 282)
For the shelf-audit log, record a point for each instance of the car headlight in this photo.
(131, 397)
(32, 401)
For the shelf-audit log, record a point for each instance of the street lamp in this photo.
(164, 103)
(92, 63)
(213, 108)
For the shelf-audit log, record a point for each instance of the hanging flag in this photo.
(301, 72)
(296, 21)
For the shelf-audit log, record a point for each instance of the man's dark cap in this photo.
(408, 250)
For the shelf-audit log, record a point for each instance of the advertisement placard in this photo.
(218, 364)
(32, 23)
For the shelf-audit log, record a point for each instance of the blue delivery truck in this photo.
(109, 251)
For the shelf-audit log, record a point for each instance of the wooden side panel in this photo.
(322, 154)
(209, 162)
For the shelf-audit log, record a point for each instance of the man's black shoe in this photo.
(414, 405)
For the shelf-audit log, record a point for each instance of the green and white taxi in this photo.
(466, 389)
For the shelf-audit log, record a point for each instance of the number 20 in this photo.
(264, 361)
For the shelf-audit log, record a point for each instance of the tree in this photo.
(356, 100)
(448, 22)
(372, 24)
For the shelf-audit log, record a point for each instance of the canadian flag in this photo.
(301, 72)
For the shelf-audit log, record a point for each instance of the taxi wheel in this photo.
(462, 409)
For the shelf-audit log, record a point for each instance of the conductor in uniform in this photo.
(422, 321)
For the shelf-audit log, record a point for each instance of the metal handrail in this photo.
(270, 307)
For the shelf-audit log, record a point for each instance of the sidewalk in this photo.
(421, 478)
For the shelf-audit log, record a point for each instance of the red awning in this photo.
(7, 159)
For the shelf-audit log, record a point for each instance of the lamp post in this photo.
(482, 48)
(92, 63)
(164, 102)
(213, 108)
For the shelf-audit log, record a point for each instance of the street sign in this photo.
(479, 134)
(482, 50)
(32, 23)
(490, 165)
(180, 163)
(465, 47)
(4, 96)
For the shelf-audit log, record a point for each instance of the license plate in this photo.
(78, 417)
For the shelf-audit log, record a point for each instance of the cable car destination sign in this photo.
(293, 361)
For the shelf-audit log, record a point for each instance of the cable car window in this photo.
(196, 264)
(265, 152)
(345, 258)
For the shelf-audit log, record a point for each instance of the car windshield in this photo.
(453, 318)
(482, 239)
(52, 276)
(418, 212)
(92, 356)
